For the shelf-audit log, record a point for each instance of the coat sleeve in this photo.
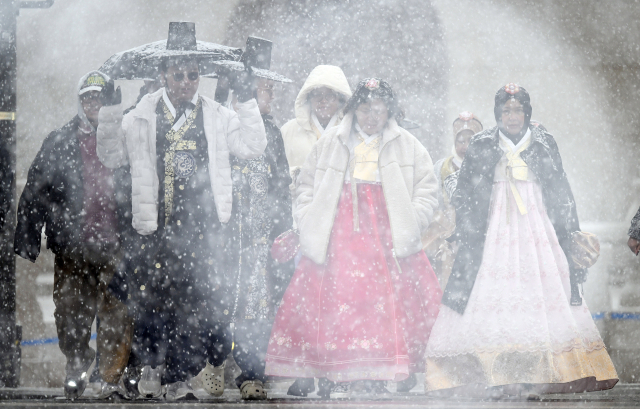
(279, 185)
(111, 147)
(33, 205)
(634, 230)
(467, 180)
(562, 210)
(425, 188)
(304, 185)
(246, 136)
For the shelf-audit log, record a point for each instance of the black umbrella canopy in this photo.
(143, 62)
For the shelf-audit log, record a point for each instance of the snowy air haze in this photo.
(579, 60)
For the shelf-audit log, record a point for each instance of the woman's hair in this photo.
(374, 88)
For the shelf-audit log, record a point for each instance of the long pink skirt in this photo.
(357, 316)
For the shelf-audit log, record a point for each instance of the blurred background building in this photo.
(579, 59)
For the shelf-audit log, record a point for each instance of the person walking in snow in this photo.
(318, 107)
(261, 212)
(434, 241)
(362, 301)
(177, 144)
(75, 198)
(512, 319)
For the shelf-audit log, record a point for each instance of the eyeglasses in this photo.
(319, 96)
(179, 76)
(378, 113)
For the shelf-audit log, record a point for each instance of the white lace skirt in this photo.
(518, 327)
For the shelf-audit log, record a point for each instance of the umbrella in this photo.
(143, 62)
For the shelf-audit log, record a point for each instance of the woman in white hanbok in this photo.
(512, 318)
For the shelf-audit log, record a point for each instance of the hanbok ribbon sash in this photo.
(516, 170)
(366, 160)
(177, 162)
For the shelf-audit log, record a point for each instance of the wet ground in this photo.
(626, 395)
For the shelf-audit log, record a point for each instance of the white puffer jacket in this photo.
(132, 140)
(408, 181)
(298, 134)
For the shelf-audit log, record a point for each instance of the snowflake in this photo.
(343, 308)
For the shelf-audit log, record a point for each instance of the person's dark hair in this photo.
(521, 95)
(374, 88)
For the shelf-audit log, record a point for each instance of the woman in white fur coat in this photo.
(364, 297)
(318, 108)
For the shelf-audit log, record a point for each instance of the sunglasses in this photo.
(192, 76)
(89, 97)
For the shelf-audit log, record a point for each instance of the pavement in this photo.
(622, 396)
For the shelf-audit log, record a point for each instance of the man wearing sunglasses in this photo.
(177, 143)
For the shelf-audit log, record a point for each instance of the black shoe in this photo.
(130, 378)
(379, 389)
(341, 390)
(77, 376)
(75, 384)
(407, 384)
(302, 387)
(324, 388)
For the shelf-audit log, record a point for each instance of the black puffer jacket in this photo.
(54, 197)
(472, 198)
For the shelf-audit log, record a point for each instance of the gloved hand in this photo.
(110, 96)
(243, 84)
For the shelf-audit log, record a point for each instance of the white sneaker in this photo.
(150, 384)
(211, 379)
(253, 390)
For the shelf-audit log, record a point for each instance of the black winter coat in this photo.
(54, 197)
(472, 199)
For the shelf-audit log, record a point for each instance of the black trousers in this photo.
(175, 323)
(184, 339)
(251, 339)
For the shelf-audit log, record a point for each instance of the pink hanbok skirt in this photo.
(361, 315)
